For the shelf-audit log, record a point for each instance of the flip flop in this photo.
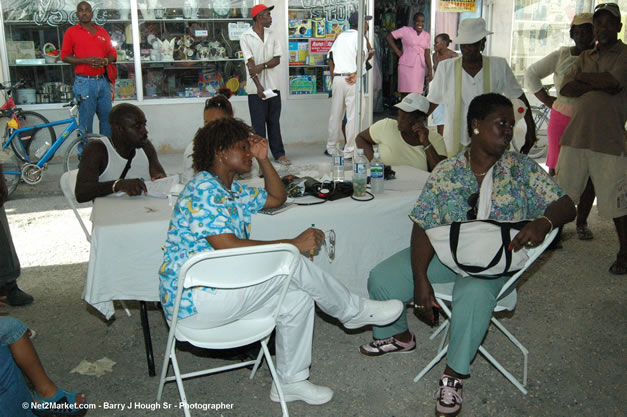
(618, 268)
(61, 403)
(584, 233)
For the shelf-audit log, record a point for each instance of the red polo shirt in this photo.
(77, 41)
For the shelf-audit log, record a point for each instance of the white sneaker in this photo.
(302, 391)
(378, 313)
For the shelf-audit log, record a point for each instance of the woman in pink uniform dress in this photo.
(415, 56)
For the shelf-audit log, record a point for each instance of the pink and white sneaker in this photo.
(380, 347)
(448, 396)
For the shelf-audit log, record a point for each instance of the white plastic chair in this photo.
(444, 294)
(68, 184)
(229, 269)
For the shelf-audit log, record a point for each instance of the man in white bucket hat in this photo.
(461, 79)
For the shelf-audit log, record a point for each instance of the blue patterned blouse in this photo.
(204, 208)
(521, 190)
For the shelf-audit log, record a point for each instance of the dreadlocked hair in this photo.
(218, 135)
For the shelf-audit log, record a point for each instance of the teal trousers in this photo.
(474, 300)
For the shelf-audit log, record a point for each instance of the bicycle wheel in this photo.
(32, 143)
(75, 151)
(12, 169)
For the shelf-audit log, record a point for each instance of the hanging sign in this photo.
(457, 5)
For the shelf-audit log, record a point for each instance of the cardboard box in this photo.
(335, 27)
(302, 84)
(319, 28)
(298, 52)
(299, 28)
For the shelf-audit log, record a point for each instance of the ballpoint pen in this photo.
(311, 251)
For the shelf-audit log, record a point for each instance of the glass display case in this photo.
(184, 50)
(311, 30)
(540, 28)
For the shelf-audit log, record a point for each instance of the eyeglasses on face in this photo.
(472, 202)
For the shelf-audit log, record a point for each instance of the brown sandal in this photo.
(584, 233)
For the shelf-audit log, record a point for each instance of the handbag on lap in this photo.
(479, 248)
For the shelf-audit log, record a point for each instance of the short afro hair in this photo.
(216, 136)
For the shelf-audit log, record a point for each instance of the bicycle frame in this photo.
(73, 125)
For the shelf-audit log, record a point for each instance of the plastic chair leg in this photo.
(126, 310)
(275, 378)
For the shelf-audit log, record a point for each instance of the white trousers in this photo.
(343, 100)
(294, 331)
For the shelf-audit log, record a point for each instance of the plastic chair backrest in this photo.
(237, 268)
(68, 183)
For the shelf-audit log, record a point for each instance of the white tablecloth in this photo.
(128, 233)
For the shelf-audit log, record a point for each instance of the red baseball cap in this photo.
(259, 8)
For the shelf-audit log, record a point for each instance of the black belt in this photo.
(344, 74)
(93, 77)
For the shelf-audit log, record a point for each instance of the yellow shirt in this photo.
(395, 151)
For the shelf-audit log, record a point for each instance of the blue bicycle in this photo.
(33, 146)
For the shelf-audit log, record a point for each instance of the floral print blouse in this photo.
(204, 208)
(521, 190)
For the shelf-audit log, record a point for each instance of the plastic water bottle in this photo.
(42, 150)
(360, 174)
(338, 164)
(376, 174)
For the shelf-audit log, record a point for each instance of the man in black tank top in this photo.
(119, 163)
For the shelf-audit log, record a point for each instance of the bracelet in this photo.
(548, 220)
(114, 184)
(428, 146)
(106, 61)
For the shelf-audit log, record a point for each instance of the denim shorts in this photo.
(11, 329)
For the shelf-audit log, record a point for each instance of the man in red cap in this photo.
(262, 53)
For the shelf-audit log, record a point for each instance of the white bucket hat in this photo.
(413, 102)
(471, 31)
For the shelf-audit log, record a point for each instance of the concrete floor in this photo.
(570, 315)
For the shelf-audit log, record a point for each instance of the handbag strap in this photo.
(475, 271)
(127, 167)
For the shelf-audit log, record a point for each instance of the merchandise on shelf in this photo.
(319, 28)
(302, 84)
(210, 80)
(125, 88)
(298, 52)
(299, 28)
(335, 27)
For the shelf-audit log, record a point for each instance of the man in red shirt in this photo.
(88, 47)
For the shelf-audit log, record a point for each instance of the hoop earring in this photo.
(475, 131)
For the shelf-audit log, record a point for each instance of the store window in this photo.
(192, 51)
(312, 28)
(541, 27)
(187, 48)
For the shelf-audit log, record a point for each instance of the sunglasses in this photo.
(604, 6)
(472, 202)
(329, 246)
